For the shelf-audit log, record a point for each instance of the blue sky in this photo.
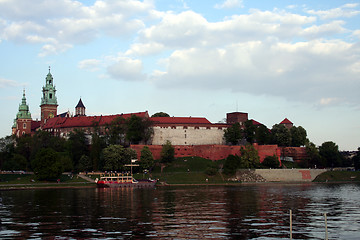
(272, 59)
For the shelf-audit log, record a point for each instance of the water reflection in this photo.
(259, 211)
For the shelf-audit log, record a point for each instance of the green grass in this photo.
(338, 176)
(30, 179)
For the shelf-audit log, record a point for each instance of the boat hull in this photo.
(138, 184)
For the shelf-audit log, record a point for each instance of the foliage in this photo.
(138, 129)
(97, 145)
(232, 163)
(315, 159)
(233, 134)
(115, 131)
(298, 136)
(329, 151)
(116, 156)
(16, 162)
(47, 164)
(211, 169)
(249, 131)
(160, 114)
(249, 157)
(271, 162)
(167, 152)
(84, 163)
(146, 159)
(356, 159)
(76, 146)
(263, 135)
(281, 135)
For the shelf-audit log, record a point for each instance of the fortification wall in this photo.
(180, 135)
(212, 152)
(289, 175)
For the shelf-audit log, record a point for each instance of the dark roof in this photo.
(80, 104)
(286, 121)
(35, 125)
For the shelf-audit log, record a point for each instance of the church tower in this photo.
(22, 123)
(80, 109)
(48, 101)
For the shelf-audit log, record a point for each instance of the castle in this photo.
(180, 131)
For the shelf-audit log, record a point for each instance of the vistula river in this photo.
(248, 211)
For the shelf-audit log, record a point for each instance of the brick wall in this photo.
(212, 152)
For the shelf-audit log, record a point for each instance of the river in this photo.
(248, 211)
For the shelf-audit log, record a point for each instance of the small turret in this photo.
(80, 109)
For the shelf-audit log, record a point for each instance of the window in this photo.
(196, 127)
(185, 135)
(50, 95)
(220, 128)
(173, 127)
(185, 127)
(24, 126)
(207, 127)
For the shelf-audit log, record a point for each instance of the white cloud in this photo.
(126, 69)
(145, 49)
(230, 4)
(90, 64)
(4, 83)
(328, 101)
(345, 11)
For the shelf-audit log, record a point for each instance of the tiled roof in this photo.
(180, 120)
(286, 121)
(80, 104)
(35, 125)
(256, 123)
(86, 121)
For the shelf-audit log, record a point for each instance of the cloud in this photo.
(4, 83)
(126, 69)
(344, 11)
(90, 64)
(59, 25)
(230, 4)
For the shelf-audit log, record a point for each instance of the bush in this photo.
(231, 164)
(47, 164)
(271, 162)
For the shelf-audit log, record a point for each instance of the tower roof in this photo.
(80, 104)
(286, 121)
(23, 109)
(49, 91)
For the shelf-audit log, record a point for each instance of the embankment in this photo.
(289, 175)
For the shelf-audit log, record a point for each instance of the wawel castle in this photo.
(178, 130)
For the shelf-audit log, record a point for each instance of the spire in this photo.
(49, 91)
(80, 109)
(23, 109)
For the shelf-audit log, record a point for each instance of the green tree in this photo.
(281, 135)
(271, 162)
(233, 134)
(138, 129)
(249, 131)
(232, 163)
(211, 169)
(329, 151)
(298, 136)
(98, 143)
(315, 159)
(115, 131)
(85, 163)
(356, 160)
(23, 147)
(77, 146)
(249, 157)
(116, 156)
(146, 159)
(167, 153)
(47, 164)
(16, 162)
(263, 135)
(160, 114)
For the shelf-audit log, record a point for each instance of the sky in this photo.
(272, 59)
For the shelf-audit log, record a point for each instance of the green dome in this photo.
(23, 109)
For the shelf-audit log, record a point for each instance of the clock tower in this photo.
(48, 101)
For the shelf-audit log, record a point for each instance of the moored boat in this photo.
(123, 181)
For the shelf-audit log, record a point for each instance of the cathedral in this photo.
(177, 130)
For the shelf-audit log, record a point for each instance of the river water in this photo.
(251, 211)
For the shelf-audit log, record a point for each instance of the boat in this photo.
(123, 181)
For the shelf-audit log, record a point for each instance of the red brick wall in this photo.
(297, 153)
(212, 152)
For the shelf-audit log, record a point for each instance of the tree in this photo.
(232, 163)
(298, 136)
(115, 131)
(315, 159)
(281, 135)
(271, 162)
(160, 114)
(146, 159)
(167, 152)
(47, 164)
(249, 157)
(77, 146)
(233, 134)
(85, 163)
(97, 145)
(329, 151)
(16, 162)
(138, 129)
(263, 135)
(356, 160)
(249, 131)
(211, 169)
(116, 156)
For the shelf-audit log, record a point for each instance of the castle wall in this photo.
(213, 152)
(188, 135)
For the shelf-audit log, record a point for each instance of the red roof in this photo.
(256, 123)
(180, 120)
(87, 121)
(35, 125)
(286, 121)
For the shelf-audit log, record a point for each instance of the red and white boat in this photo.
(121, 181)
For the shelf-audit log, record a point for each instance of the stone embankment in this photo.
(289, 175)
(248, 176)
